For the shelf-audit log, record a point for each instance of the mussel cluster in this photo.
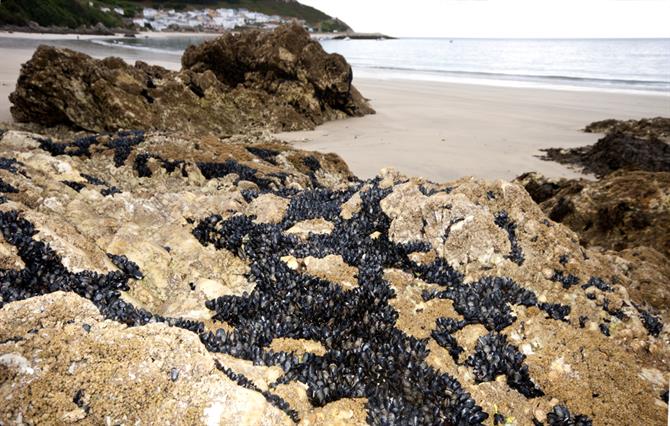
(503, 220)
(561, 416)
(264, 153)
(9, 164)
(566, 280)
(366, 354)
(44, 273)
(230, 166)
(77, 186)
(106, 189)
(121, 142)
(141, 164)
(7, 188)
(495, 356)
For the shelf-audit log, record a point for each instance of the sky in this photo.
(503, 18)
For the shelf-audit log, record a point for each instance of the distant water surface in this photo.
(640, 64)
(615, 64)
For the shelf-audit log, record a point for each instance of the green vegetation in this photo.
(64, 13)
(292, 9)
(333, 25)
(76, 13)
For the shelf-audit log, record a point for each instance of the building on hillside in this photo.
(209, 19)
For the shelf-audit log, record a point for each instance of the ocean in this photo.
(576, 64)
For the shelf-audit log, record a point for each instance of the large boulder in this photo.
(146, 277)
(279, 80)
(286, 63)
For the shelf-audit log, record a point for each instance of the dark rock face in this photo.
(622, 210)
(626, 209)
(286, 63)
(646, 127)
(617, 150)
(281, 80)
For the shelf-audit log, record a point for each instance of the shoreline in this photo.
(444, 131)
(88, 45)
(438, 130)
(367, 74)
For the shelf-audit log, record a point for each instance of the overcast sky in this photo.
(503, 18)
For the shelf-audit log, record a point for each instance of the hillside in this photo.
(80, 13)
(62, 13)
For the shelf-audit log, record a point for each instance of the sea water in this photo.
(605, 64)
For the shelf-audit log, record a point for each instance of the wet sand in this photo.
(444, 131)
(440, 131)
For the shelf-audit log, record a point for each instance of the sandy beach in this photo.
(440, 131)
(444, 131)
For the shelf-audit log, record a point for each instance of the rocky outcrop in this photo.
(213, 281)
(627, 145)
(622, 210)
(616, 151)
(287, 64)
(279, 81)
(625, 212)
(644, 128)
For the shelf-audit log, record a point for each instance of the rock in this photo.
(648, 273)
(630, 145)
(277, 80)
(286, 63)
(291, 262)
(312, 226)
(150, 214)
(444, 303)
(333, 269)
(644, 128)
(124, 371)
(297, 346)
(268, 208)
(625, 212)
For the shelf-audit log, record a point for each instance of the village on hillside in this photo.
(207, 19)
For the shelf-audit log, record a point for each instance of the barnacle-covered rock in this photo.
(87, 369)
(279, 80)
(625, 212)
(252, 282)
(622, 210)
